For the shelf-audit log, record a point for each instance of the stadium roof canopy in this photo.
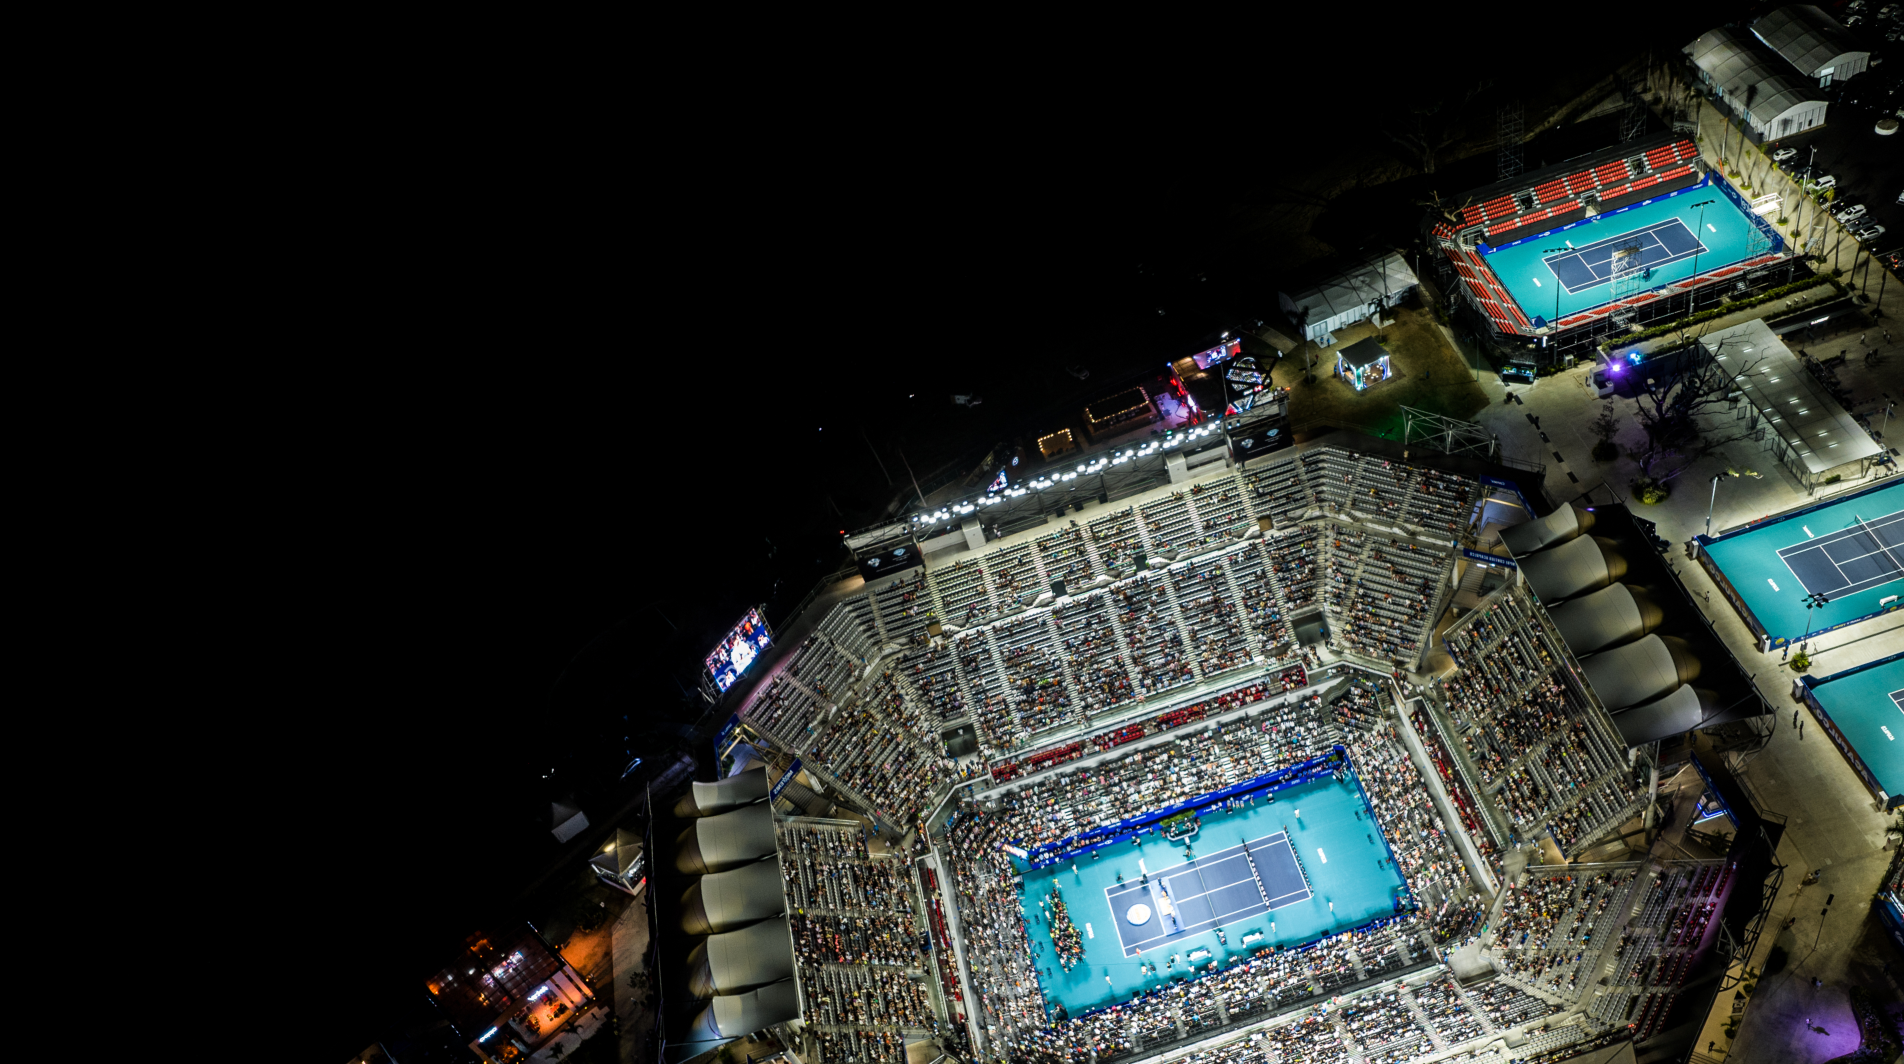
(1819, 433)
(727, 840)
(741, 960)
(1810, 40)
(1681, 711)
(1745, 71)
(1576, 566)
(1613, 614)
(726, 900)
(1634, 673)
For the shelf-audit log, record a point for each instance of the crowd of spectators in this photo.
(857, 924)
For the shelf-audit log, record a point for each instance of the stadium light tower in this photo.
(1812, 602)
(1716, 478)
(1697, 243)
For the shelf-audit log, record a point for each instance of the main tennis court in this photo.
(1243, 890)
(1575, 261)
(1659, 244)
(1851, 551)
(1207, 892)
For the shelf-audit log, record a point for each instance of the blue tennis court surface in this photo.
(1242, 892)
(1868, 709)
(1206, 892)
(1657, 244)
(1852, 559)
(1669, 231)
(1837, 549)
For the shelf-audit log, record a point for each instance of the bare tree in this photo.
(1430, 126)
(1678, 393)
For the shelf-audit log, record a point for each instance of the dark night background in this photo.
(618, 349)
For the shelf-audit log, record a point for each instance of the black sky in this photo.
(593, 358)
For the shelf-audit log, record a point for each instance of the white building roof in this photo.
(1747, 73)
(1797, 407)
(1349, 293)
(1808, 39)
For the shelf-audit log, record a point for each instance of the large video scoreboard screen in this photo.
(733, 655)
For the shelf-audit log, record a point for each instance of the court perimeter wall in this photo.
(1104, 835)
(1766, 640)
(1806, 685)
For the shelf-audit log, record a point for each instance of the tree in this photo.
(1430, 126)
(1605, 427)
(1681, 389)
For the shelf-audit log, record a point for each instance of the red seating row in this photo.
(1611, 179)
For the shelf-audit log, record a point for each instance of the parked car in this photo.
(1517, 371)
(1783, 154)
(1849, 211)
(1825, 182)
(1869, 233)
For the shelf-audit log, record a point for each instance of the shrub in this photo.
(1834, 478)
(1605, 451)
(1801, 661)
(1650, 492)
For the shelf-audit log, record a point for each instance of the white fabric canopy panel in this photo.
(1821, 434)
(1607, 617)
(1573, 568)
(1628, 675)
(1812, 41)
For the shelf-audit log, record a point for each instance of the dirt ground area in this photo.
(1430, 374)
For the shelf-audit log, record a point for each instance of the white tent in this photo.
(1811, 433)
(1813, 42)
(1756, 84)
(1350, 296)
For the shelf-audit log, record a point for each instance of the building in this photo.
(510, 995)
(1806, 429)
(1756, 84)
(1813, 42)
(1350, 296)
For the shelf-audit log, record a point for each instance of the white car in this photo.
(1869, 233)
(1824, 182)
(1849, 212)
(1783, 154)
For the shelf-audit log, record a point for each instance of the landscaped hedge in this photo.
(1728, 307)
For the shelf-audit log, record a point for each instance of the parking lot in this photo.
(1869, 167)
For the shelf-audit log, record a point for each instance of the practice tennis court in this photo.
(1592, 265)
(1232, 884)
(1674, 234)
(1848, 561)
(1848, 550)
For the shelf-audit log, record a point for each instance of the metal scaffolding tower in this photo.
(1629, 275)
(1509, 143)
(1633, 120)
(1447, 435)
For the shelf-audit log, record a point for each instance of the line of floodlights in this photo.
(1052, 480)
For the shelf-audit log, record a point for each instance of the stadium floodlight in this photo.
(1716, 478)
(1696, 245)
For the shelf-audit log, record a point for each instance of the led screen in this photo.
(734, 654)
